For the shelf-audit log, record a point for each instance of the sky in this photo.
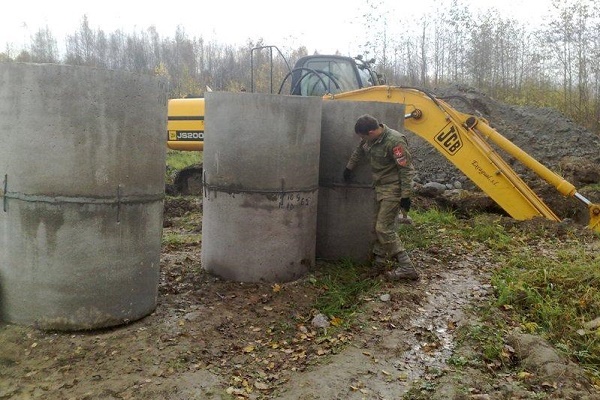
(324, 26)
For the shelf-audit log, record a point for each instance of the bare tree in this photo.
(440, 46)
(81, 45)
(459, 22)
(377, 42)
(116, 50)
(559, 38)
(44, 48)
(424, 62)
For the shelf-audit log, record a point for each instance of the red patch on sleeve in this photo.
(400, 156)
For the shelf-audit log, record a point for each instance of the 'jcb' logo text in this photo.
(449, 139)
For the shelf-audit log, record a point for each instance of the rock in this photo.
(385, 297)
(432, 189)
(540, 357)
(320, 321)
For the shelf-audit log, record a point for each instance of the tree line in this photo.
(555, 64)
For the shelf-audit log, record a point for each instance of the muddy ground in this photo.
(214, 339)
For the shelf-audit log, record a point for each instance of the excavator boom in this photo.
(465, 141)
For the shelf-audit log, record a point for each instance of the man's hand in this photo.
(347, 175)
(405, 203)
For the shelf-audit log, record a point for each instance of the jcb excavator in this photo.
(465, 140)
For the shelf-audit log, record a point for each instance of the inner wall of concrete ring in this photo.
(261, 174)
(346, 211)
(82, 172)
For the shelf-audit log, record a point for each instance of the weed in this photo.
(458, 361)
(435, 216)
(343, 286)
(420, 390)
(488, 231)
(488, 338)
(178, 240)
(178, 364)
(430, 224)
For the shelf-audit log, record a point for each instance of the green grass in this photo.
(427, 229)
(176, 240)
(554, 297)
(180, 159)
(489, 231)
(343, 287)
(436, 217)
(177, 160)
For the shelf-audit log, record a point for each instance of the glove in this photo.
(405, 203)
(347, 175)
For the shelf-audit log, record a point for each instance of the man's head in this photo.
(365, 125)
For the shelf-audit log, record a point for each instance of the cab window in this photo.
(331, 76)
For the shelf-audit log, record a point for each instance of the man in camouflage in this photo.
(393, 171)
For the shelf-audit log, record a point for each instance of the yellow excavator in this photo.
(465, 140)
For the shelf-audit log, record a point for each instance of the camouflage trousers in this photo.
(388, 242)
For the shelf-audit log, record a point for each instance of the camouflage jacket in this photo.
(391, 163)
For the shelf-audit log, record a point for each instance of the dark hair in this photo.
(365, 124)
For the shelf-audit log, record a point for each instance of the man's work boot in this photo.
(405, 269)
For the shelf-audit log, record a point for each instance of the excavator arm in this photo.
(465, 141)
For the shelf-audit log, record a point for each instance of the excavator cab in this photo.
(318, 75)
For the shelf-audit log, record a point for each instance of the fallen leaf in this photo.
(524, 375)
